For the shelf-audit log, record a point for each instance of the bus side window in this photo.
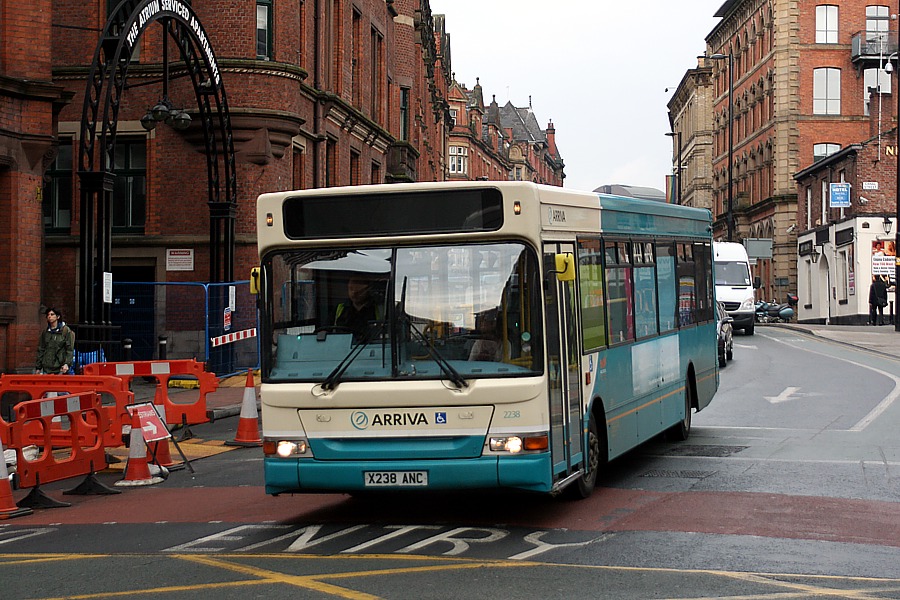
(687, 287)
(591, 293)
(666, 286)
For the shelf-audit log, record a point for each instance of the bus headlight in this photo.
(519, 443)
(285, 448)
(511, 444)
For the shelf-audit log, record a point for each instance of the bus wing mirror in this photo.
(565, 267)
(254, 280)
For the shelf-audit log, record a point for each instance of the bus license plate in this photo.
(396, 478)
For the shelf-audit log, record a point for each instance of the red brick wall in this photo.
(852, 125)
(864, 166)
(25, 34)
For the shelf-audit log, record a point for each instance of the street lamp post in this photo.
(895, 316)
(896, 92)
(677, 136)
(729, 217)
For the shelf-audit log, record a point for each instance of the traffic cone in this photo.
(163, 456)
(8, 508)
(137, 470)
(248, 426)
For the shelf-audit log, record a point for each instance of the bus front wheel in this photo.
(588, 478)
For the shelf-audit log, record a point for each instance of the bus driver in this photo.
(362, 307)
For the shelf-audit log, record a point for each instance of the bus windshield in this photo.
(445, 312)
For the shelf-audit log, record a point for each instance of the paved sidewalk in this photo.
(883, 339)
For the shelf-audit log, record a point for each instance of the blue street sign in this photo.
(840, 195)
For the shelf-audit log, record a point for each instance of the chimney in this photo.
(551, 138)
(477, 94)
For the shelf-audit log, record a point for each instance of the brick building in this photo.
(533, 153)
(798, 91)
(496, 142)
(840, 249)
(29, 104)
(319, 94)
(478, 147)
(690, 117)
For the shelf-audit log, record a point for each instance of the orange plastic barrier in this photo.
(114, 397)
(184, 413)
(87, 422)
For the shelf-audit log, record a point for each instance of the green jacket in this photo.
(55, 349)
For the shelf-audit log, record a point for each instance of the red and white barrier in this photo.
(34, 422)
(39, 386)
(232, 337)
(192, 413)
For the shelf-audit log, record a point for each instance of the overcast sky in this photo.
(597, 68)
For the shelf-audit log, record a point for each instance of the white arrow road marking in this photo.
(784, 396)
(885, 403)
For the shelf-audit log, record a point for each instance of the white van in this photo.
(734, 286)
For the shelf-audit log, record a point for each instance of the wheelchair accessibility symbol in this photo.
(440, 418)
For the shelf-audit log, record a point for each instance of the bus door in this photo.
(566, 430)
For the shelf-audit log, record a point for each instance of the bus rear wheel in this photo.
(585, 485)
(681, 430)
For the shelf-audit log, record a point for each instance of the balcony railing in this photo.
(873, 45)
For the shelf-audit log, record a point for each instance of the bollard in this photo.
(162, 347)
(126, 349)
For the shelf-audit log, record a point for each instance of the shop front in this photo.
(836, 265)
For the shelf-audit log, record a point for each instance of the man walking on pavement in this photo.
(877, 299)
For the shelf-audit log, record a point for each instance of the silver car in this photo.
(725, 333)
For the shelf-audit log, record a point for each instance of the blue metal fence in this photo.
(189, 320)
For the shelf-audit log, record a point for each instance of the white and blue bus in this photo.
(476, 334)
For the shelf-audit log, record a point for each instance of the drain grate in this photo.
(678, 474)
(705, 450)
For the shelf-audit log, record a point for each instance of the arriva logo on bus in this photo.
(556, 215)
(360, 419)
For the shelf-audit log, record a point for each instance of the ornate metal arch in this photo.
(103, 93)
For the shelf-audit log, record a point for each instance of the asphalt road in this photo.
(787, 488)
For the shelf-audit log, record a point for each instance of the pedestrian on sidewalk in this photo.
(56, 346)
(877, 299)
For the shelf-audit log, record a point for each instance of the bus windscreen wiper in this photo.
(334, 378)
(452, 374)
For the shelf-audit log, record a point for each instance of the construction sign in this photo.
(152, 427)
